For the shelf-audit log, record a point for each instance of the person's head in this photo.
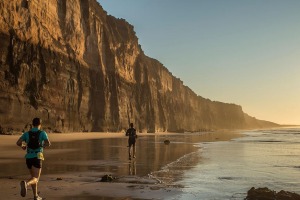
(36, 122)
(131, 125)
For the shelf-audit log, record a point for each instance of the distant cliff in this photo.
(80, 69)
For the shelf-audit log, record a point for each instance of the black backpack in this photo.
(34, 140)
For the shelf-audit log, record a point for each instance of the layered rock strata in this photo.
(80, 69)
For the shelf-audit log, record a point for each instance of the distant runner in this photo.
(131, 132)
(35, 140)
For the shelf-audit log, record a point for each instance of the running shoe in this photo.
(23, 188)
(38, 198)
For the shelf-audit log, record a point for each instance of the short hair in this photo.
(36, 121)
(131, 124)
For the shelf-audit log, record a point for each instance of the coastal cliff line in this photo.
(80, 69)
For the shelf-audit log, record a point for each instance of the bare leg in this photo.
(129, 151)
(33, 181)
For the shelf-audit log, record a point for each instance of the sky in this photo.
(233, 51)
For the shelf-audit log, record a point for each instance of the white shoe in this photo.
(38, 198)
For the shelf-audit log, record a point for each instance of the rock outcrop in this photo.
(80, 69)
(267, 194)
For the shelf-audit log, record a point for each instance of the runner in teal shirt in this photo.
(34, 156)
(33, 153)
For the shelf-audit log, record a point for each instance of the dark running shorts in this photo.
(131, 141)
(37, 163)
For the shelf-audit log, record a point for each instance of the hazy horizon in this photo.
(241, 52)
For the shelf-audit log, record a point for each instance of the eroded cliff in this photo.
(80, 69)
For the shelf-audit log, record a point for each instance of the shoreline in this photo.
(86, 184)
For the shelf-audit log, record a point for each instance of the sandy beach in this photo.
(76, 162)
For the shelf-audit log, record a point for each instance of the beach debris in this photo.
(167, 142)
(59, 179)
(107, 178)
(267, 194)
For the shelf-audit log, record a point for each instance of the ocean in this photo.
(228, 169)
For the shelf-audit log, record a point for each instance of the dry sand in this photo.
(85, 184)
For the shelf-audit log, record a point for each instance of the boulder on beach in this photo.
(167, 142)
(267, 194)
(107, 178)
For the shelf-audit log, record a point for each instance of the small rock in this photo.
(167, 142)
(107, 178)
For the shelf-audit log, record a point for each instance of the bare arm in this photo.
(19, 142)
(47, 143)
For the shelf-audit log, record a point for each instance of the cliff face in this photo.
(79, 69)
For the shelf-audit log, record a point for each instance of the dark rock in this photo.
(284, 195)
(107, 178)
(167, 142)
(267, 194)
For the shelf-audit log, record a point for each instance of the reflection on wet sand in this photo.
(132, 168)
(82, 163)
(110, 155)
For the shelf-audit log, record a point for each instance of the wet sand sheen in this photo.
(82, 161)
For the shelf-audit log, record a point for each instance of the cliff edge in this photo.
(80, 69)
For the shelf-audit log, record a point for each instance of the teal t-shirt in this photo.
(33, 153)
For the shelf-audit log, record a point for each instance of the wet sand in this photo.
(76, 162)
